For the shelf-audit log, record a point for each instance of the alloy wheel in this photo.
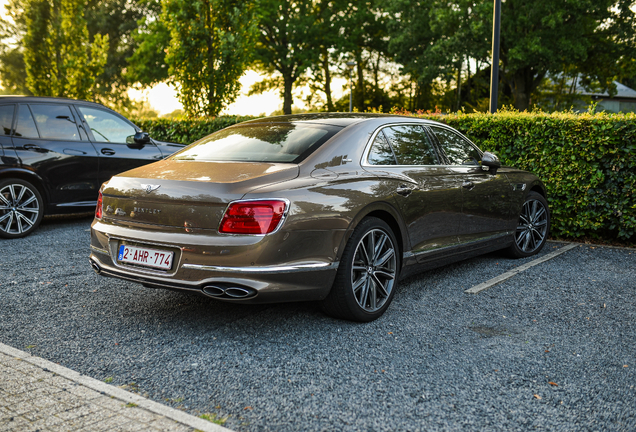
(374, 269)
(532, 227)
(19, 209)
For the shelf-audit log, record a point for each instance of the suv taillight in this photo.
(253, 217)
(98, 209)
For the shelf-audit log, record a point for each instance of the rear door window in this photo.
(107, 127)
(411, 145)
(457, 149)
(25, 127)
(55, 122)
(6, 118)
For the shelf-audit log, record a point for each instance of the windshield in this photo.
(262, 142)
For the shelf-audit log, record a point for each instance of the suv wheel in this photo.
(21, 208)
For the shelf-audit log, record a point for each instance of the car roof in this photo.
(39, 99)
(335, 119)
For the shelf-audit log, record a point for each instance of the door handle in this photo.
(108, 151)
(74, 152)
(31, 147)
(405, 190)
(468, 185)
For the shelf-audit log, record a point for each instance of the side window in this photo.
(457, 149)
(411, 145)
(26, 126)
(381, 153)
(6, 118)
(55, 122)
(107, 127)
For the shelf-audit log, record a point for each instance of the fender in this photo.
(381, 206)
(28, 175)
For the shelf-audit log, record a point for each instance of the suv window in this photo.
(55, 122)
(6, 118)
(381, 153)
(411, 145)
(26, 126)
(107, 127)
(457, 149)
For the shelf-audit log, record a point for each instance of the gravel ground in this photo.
(438, 359)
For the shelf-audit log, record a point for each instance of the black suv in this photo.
(55, 153)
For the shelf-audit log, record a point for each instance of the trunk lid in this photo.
(186, 194)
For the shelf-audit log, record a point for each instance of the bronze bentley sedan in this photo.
(335, 208)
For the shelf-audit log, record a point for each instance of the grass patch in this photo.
(214, 418)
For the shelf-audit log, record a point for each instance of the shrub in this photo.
(187, 131)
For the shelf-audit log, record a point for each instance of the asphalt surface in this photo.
(439, 359)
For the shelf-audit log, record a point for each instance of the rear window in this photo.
(264, 142)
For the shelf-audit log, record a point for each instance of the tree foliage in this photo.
(58, 57)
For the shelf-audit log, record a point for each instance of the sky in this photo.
(163, 97)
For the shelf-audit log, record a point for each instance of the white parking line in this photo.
(507, 275)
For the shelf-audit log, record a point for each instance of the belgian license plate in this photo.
(145, 257)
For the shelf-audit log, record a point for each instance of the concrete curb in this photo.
(507, 275)
(123, 395)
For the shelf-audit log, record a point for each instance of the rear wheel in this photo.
(21, 208)
(533, 227)
(368, 274)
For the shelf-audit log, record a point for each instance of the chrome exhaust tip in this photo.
(96, 267)
(236, 292)
(213, 291)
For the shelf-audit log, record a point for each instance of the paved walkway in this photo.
(38, 395)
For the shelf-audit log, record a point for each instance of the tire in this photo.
(364, 287)
(21, 208)
(533, 227)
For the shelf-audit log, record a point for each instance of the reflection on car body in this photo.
(329, 207)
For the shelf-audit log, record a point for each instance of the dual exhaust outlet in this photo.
(236, 292)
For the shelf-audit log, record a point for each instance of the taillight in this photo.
(253, 217)
(98, 209)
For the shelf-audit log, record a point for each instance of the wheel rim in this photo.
(373, 271)
(532, 227)
(19, 209)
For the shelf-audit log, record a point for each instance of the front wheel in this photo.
(533, 227)
(368, 274)
(21, 208)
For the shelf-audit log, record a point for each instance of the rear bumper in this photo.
(196, 271)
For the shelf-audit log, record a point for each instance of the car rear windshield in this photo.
(263, 142)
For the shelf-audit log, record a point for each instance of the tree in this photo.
(119, 20)
(286, 46)
(58, 57)
(12, 65)
(210, 42)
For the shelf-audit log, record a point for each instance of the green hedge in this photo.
(587, 162)
(187, 131)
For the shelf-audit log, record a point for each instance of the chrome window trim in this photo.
(364, 161)
(278, 227)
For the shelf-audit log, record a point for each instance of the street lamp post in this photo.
(350, 65)
(494, 69)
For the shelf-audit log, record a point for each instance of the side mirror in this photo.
(491, 161)
(141, 138)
